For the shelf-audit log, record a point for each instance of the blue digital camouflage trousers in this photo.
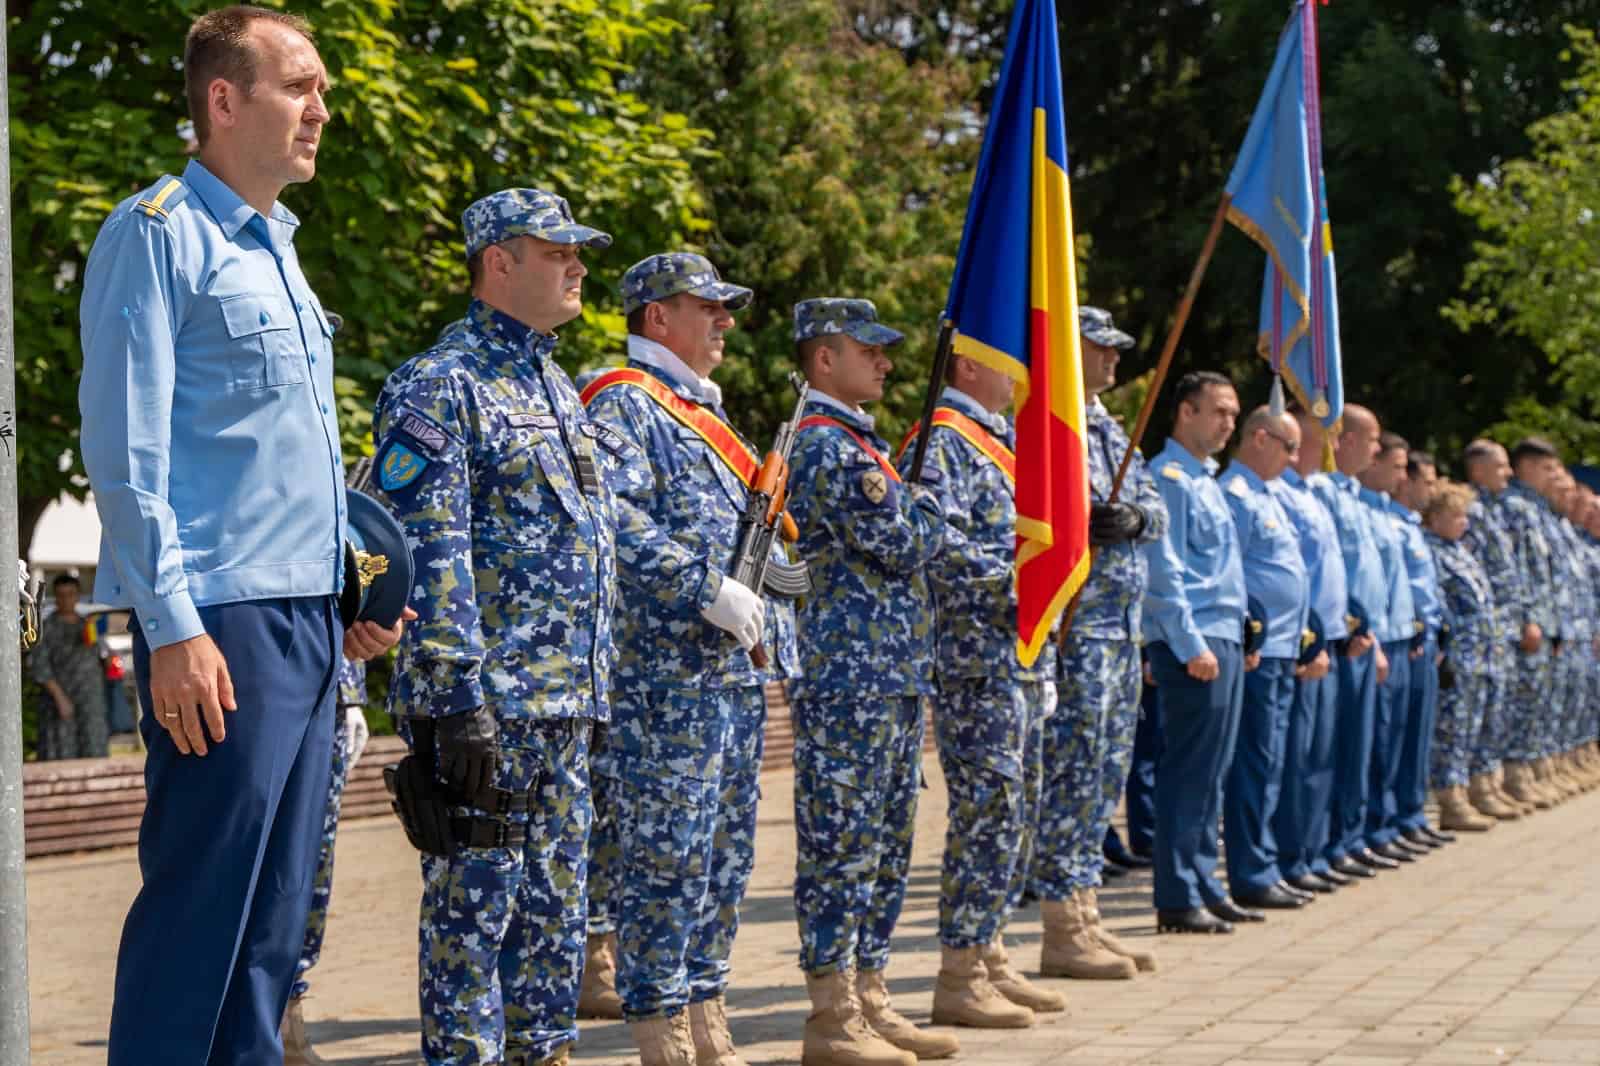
(687, 766)
(1490, 744)
(502, 930)
(1460, 721)
(982, 725)
(605, 847)
(322, 886)
(1041, 697)
(857, 774)
(1531, 689)
(1088, 747)
(1565, 722)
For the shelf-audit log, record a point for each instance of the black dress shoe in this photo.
(1229, 911)
(1351, 867)
(1395, 852)
(1373, 861)
(1275, 898)
(1312, 883)
(1304, 893)
(1441, 836)
(1193, 920)
(1336, 877)
(1111, 871)
(1412, 846)
(1118, 853)
(1420, 839)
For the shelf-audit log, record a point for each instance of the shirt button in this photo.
(324, 408)
(299, 306)
(265, 318)
(313, 360)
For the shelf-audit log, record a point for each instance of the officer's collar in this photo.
(1192, 463)
(993, 421)
(227, 206)
(1253, 479)
(511, 333)
(1291, 476)
(835, 408)
(674, 371)
(1372, 496)
(1346, 482)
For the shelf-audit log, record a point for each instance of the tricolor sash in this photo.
(862, 442)
(991, 447)
(717, 434)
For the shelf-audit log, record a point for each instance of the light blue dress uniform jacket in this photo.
(1275, 572)
(1196, 577)
(1319, 550)
(209, 431)
(1363, 564)
(1400, 621)
(1420, 568)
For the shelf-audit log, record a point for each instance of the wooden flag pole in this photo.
(1167, 352)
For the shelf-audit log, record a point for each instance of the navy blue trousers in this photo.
(1302, 824)
(1388, 745)
(228, 847)
(1140, 798)
(1411, 787)
(1199, 721)
(1358, 701)
(1255, 779)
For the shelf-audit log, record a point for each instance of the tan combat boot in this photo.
(597, 995)
(664, 1041)
(837, 1034)
(1521, 786)
(1481, 794)
(1088, 902)
(297, 1050)
(1544, 778)
(873, 993)
(1010, 983)
(1071, 949)
(1497, 781)
(1456, 814)
(559, 1057)
(963, 995)
(708, 1027)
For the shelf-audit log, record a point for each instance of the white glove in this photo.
(355, 736)
(739, 611)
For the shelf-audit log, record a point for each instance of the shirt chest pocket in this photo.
(265, 335)
(542, 501)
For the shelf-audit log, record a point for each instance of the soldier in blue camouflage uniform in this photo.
(866, 639)
(1088, 743)
(1527, 518)
(1469, 621)
(1588, 756)
(504, 488)
(986, 712)
(1560, 737)
(349, 740)
(689, 706)
(1488, 538)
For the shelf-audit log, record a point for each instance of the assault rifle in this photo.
(764, 518)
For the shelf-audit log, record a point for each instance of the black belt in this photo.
(480, 832)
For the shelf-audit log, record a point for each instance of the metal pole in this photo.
(13, 895)
(941, 361)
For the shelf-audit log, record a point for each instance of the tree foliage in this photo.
(1536, 271)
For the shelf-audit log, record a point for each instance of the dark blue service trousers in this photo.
(1358, 702)
(1388, 745)
(1140, 796)
(1302, 824)
(228, 847)
(1199, 723)
(1411, 788)
(1255, 779)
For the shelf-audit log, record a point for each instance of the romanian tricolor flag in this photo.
(1015, 308)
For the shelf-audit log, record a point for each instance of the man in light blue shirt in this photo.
(1275, 576)
(211, 445)
(1396, 635)
(1302, 823)
(1363, 663)
(1194, 627)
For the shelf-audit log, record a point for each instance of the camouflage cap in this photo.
(668, 274)
(1095, 323)
(512, 213)
(857, 319)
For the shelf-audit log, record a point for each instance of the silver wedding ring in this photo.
(169, 715)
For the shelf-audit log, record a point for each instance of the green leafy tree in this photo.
(434, 105)
(1536, 270)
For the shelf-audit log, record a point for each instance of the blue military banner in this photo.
(1279, 199)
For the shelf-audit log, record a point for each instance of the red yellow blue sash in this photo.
(824, 420)
(707, 426)
(975, 434)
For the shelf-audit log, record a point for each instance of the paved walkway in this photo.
(1485, 952)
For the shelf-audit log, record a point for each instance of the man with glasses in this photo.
(1275, 575)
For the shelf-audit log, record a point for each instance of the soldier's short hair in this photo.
(1416, 459)
(1477, 452)
(1533, 448)
(218, 46)
(1195, 382)
(65, 579)
(805, 352)
(1388, 442)
(1448, 497)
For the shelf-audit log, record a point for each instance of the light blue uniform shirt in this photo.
(1274, 572)
(1419, 567)
(1319, 550)
(209, 429)
(1196, 577)
(1363, 565)
(1400, 622)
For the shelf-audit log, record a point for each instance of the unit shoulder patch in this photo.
(874, 485)
(160, 198)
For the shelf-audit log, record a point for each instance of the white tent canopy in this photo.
(67, 536)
